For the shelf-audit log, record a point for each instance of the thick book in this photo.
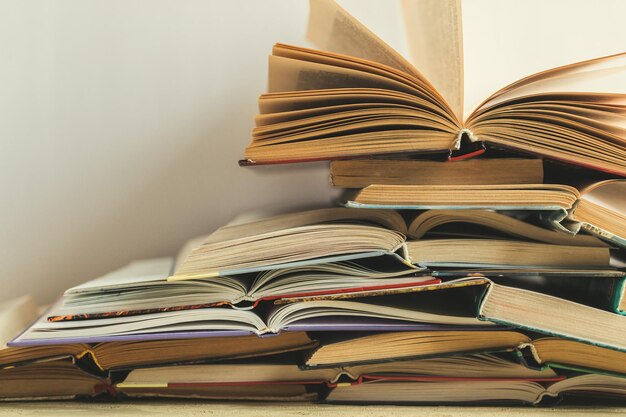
(394, 346)
(479, 391)
(357, 97)
(360, 173)
(336, 234)
(552, 315)
(570, 355)
(53, 380)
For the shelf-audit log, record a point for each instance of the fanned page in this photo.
(355, 96)
(435, 37)
(601, 210)
(575, 113)
(605, 76)
(610, 194)
(294, 239)
(358, 98)
(333, 29)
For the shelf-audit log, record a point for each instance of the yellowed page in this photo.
(286, 74)
(600, 75)
(435, 37)
(610, 194)
(333, 29)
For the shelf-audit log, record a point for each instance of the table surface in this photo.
(257, 409)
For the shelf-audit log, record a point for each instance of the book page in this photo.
(599, 75)
(333, 29)
(286, 74)
(506, 40)
(435, 37)
(610, 194)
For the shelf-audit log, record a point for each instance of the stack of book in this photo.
(471, 259)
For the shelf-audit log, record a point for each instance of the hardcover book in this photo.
(357, 97)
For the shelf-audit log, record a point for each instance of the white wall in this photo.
(121, 123)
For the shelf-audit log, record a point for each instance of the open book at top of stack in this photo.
(358, 97)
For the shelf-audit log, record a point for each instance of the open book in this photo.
(395, 346)
(233, 375)
(447, 308)
(336, 234)
(597, 208)
(138, 289)
(545, 352)
(358, 97)
(126, 354)
(479, 391)
(123, 355)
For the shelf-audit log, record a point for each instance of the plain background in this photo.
(121, 122)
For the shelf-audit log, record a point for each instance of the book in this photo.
(537, 197)
(601, 289)
(357, 97)
(137, 289)
(565, 354)
(533, 306)
(54, 380)
(488, 223)
(390, 346)
(600, 210)
(219, 321)
(552, 315)
(403, 347)
(596, 208)
(333, 235)
(500, 253)
(106, 356)
(360, 173)
(100, 357)
(469, 367)
(496, 391)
